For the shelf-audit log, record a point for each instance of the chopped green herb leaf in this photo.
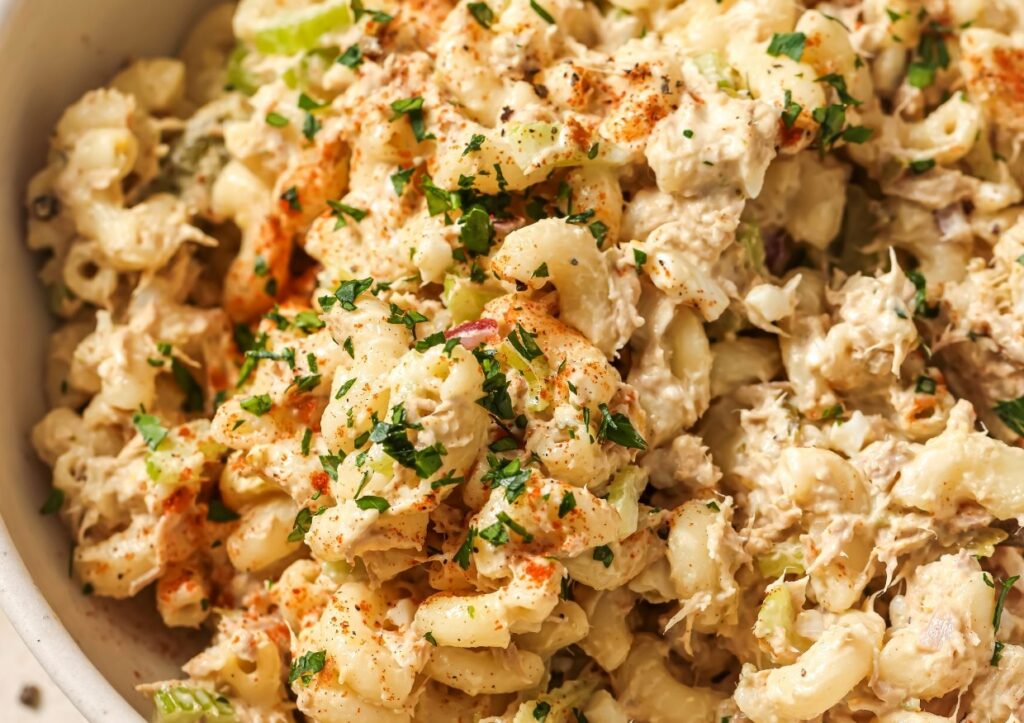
(789, 44)
(604, 555)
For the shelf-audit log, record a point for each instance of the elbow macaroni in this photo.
(533, 360)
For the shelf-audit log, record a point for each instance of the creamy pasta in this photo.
(553, 360)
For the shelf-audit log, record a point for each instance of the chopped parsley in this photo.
(330, 463)
(448, 480)
(217, 511)
(393, 438)
(1004, 589)
(541, 272)
(921, 307)
(291, 197)
(400, 179)
(408, 318)
(838, 82)
(476, 231)
(544, 14)
(790, 110)
(310, 663)
(339, 210)
(308, 321)
(258, 405)
(187, 384)
(348, 291)
(921, 166)
(639, 258)
(496, 399)
(509, 475)
(152, 432)
(930, 56)
(428, 342)
(377, 16)
(303, 521)
(567, 505)
(413, 109)
(687, 133)
(789, 44)
(836, 411)
(541, 710)
(474, 144)
(370, 502)
(482, 13)
(429, 637)
(352, 57)
(604, 555)
(525, 343)
(617, 427)
(830, 120)
(1011, 412)
(276, 120)
(307, 437)
(461, 556)
(596, 148)
(54, 501)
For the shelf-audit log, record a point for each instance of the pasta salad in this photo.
(553, 360)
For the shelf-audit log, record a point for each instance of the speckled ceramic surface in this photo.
(51, 52)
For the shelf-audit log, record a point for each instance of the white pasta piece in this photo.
(766, 304)
(703, 554)
(367, 666)
(941, 631)
(566, 625)
(998, 692)
(595, 295)
(603, 708)
(261, 538)
(671, 368)
(490, 619)
(834, 498)
(610, 638)
(629, 558)
(157, 84)
(245, 660)
(649, 691)
(491, 671)
(732, 143)
(705, 25)
(962, 465)
(741, 361)
(804, 194)
(183, 596)
(821, 677)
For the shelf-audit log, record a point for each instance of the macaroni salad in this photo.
(553, 360)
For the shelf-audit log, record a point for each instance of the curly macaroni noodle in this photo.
(551, 360)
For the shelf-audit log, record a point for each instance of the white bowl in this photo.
(51, 52)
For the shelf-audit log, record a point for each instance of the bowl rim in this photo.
(47, 638)
(35, 621)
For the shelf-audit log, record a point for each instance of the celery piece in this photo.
(465, 299)
(787, 556)
(276, 30)
(187, 704)
(624, 495)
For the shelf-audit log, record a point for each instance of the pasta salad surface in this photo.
(552, 360)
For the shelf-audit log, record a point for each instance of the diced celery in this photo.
(749, 236)
(535, 372)
(237, 76)
(342, 572)
(179, 460)
(982, 543)
(624, 495)
(277, 30)
(465, 299)
(785, 557)
(714, 68)
(187, 704)
(776, 621)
